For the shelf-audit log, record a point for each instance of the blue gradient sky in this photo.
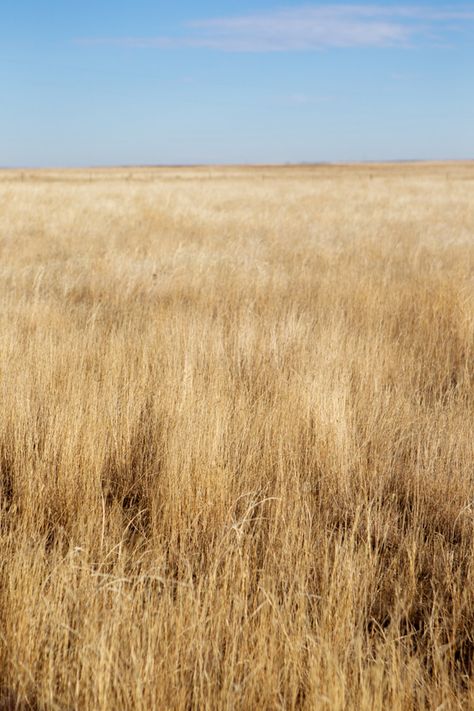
(113, 82)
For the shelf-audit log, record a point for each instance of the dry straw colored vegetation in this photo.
(236, 438)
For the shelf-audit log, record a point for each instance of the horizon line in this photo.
(265, 164)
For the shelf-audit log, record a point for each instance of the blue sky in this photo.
(113, 82)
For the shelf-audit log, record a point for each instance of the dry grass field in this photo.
(236, 438)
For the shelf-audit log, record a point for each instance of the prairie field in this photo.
(237, 438)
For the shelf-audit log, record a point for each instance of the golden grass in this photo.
(236, 438)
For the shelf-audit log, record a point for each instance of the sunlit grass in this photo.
(236, 438)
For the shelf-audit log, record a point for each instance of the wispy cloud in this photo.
(310, 27)
(302, 99)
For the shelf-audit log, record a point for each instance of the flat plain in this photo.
(236, 438)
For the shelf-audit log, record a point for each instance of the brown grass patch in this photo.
(236, 438)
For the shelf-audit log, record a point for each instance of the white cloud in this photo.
(310, 27)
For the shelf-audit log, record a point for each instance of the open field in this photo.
(236, 438)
